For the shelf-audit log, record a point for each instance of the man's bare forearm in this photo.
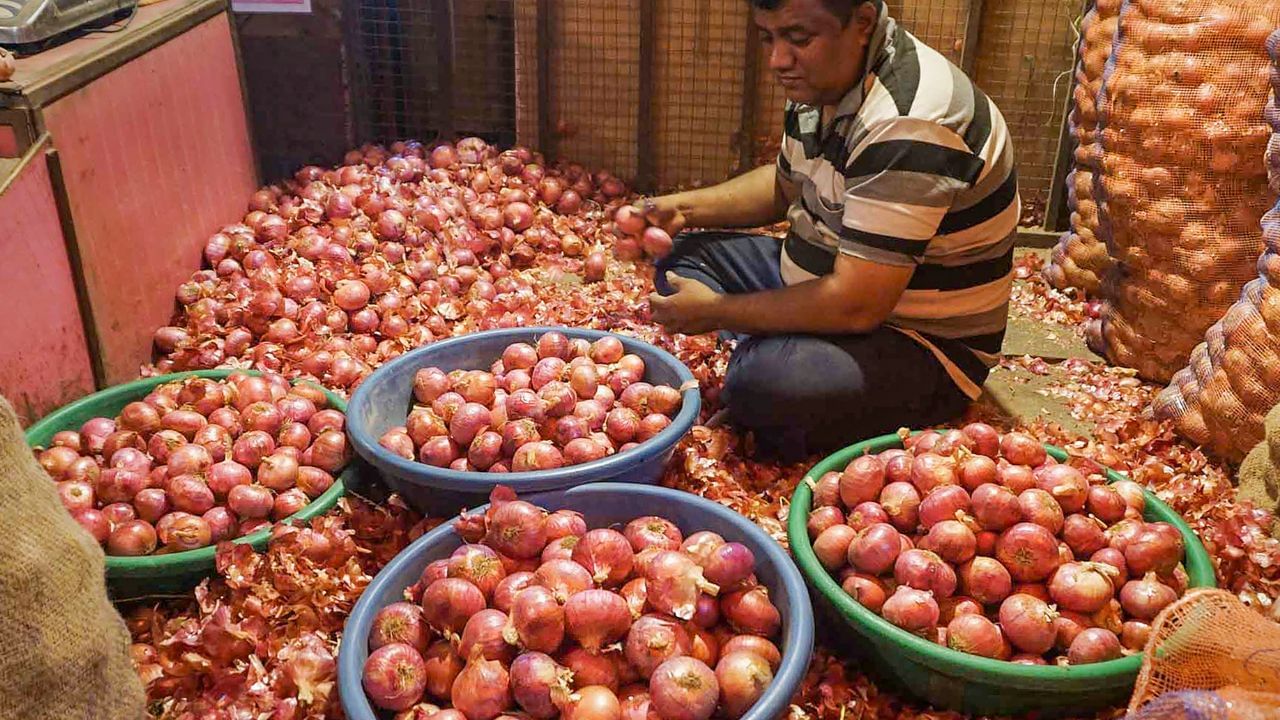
(818, 306)
(752, 199)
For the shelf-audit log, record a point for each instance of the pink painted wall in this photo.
(44, 362)
(156, 157)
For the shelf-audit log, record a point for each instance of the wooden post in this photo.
(972, 36)
(645, 172)
(546, 139)
(750, 99)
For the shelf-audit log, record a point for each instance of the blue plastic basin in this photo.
(385, 398)
(604, 504)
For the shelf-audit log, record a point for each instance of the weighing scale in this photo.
(27, 25)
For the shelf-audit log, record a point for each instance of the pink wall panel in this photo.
(44, 362)
(156, 157)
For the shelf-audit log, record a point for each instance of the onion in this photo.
(1029, 551)
(897, 465)
(1028, 623)
(866, 590)
(482, 690)
(924, 570)
(1122, 533)
(876, 549)
(563, 523)
(189, 460)
(517, 528)
(606, 554)
(478, 565)
(1135, 634)
(684, 688)
(593, 702)
(277, 472)
(508, 587)
(132, 538)
(1017, 478)
(187, 493)
(78, 495)
(151, 504)
(901, 501)
(975, 635)
(564, 578)
(449, 602)
(163, 443)
(652, 531)
(1144, 598)
(595, 618)
(929, 471)
(986, 440)
(743, 677)
(674, 581)
(539, 685)
(1022, 449)
(867, 514)
(400, 622)
(832, 546)
(1158, 547)
(1083, 535)
(1115, 559)
(1094, 645)
(946, 502)
(1066, 484)
(314, 482)
(729, 565)
(1105, 503)
(1134, 496)
(1040, 508)
(826, 491)
(119, 513)
(1067, 626)
(824, 517)
(590, 668)
(442, 666)
(952, 540)
(537, 620)
(911, 609)
(250, 448)
(484, 635)
(250, 502)
(652, 640)
(956, 605)
(996, 507)
(751, 611)
(985, 580)
(394, 676)
(756, 645)
(1082, 587)
(975, 470)
(861, 481)
(94, 522)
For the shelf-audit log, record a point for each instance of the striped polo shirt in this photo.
(914, 167)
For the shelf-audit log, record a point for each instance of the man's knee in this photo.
(790, 377)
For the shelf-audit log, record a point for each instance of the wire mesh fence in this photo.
(669, 93)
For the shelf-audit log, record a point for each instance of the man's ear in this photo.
(864, 20)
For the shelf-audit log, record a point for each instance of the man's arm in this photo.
(856, 298)
(755, 198)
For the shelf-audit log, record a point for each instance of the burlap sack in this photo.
(64, 651)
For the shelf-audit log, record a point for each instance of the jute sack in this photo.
(64, 650)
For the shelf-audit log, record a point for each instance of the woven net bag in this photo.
(1209, 658)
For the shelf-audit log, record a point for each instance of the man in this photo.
(885, 306)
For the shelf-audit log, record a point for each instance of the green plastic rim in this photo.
(1011, 675)
(108, 403)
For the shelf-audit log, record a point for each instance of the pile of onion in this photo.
(985, 544)
(540, 406)
(197, 462)
(538, 614)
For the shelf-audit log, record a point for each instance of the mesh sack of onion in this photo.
(1180, 187)
(1233, 378)
(1080, 258)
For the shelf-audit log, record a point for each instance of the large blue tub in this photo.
(384, 399)
(605, 504)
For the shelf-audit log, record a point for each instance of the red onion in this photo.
(1022, 449)
(861, 481)
(606, 554)
(593, 702)
(1083, 534)
(1082, 587)
(866, 590)
(539, 685)
(1106, 503)
(1039, 507)
(448, 603)
(1067, 626)
(1094, 645)
(479, 565)
(1122, 533)
(674, 582)
(996, 507)
(442, 666)
(975, 470)
(867, 514)
(751, 611)
(1158, 547)
(985, 580)
(1028, 623)
(753, 644)
(119, 513)
(250, 448)
(652, 531)
(250, 502)
(946, 502)
(590, 668)
(1029, 551)
(78, 495)
(743, 677)
(929, 471)
(876, 549)
(563, 523)
(1017, 478)
(729, 565)
(400, 622)
(652, 640)
(483, 635)
(824, 517)
(595, 618)
(1066, 484)
(150, 503)
(901, 501)
(912, 610)
(952, 540)
(1134, 496)
(537, 620)
(482, 690)
(132, 538)
(684, 688)
(94, 522)
(1135, 634)
(924, 570)
(1144, 598)
(314, 482)
(278, 472)
(976, 635)
(564, 578)
(394, 676)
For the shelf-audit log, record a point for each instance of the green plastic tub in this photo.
(130, 578)
(952, 680)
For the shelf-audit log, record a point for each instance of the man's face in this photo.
(815, 58)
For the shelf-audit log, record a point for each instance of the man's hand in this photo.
(690, 310)
(664, 213)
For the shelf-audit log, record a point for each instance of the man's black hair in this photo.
(842, 9)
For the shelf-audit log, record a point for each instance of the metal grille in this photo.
(434, 68)
(668, 93)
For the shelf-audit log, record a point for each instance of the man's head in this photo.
(817, 48)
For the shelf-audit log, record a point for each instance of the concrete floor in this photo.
(1021, 394)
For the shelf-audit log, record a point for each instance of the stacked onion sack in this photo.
(539, 615)
(1233, 378)
(1081, 258)
(336, 271)
(561, 402)
(1181, 187)
(197, 462)
(985, 544)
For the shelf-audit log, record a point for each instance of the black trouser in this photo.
(805, 394)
